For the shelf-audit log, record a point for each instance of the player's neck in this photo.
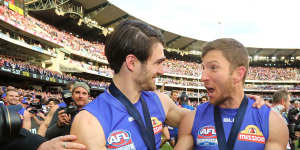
(234, 101)
(127, 87)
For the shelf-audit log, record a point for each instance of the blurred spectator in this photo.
(12, 97)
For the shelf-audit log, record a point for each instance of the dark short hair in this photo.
(204, 97)
(56, 101)
(279, 95)
(131, 37)
(173, 91)
(184, 98)
(232, 50)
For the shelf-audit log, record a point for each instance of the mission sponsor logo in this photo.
(251, 134)
(207, 136)
(157, 125)
(120, 140)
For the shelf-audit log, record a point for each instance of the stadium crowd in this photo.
(83, 47)
(192, 83)
(34, 44)
(183, 68)
(23, 65)
(101, 69)
(52, 101)
(95, 49)
(273, 74)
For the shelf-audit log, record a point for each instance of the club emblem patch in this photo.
(157, 125)
(252, 134)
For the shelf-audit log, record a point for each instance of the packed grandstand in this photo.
(181, 75)
(39, 57)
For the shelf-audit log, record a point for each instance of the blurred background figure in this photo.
(185, 102)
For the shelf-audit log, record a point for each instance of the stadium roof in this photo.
(108, 15)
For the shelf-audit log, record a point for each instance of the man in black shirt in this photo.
(29, 141)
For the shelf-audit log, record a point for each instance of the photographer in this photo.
(13, 137)
(281, 104)
(294, 123)
(33, 116)
(75, 101)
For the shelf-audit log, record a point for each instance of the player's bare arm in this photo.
(185, 138)
(174, 114)
(278, 133)
(89, 131)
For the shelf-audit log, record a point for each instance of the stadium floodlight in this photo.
(59, 12)
(195, 52)
(79, 22)
(110, 29)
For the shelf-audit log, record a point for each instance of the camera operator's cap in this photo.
(81, 84)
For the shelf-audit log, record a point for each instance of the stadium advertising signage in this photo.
(15, 5)
(33, 75)
(40, 77)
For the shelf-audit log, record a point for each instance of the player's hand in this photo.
(27, 114)
(259, 102)
(62, 143)
(63, 118)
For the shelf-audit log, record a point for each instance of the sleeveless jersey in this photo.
(120, 129)
(253, 133)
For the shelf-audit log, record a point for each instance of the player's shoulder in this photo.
(84, 115)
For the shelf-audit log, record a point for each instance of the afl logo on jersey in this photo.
(120, 139)
(207, 132)
(207, 136)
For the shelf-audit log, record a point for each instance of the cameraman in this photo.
(80, 97)
(294, 122)
(13, 137)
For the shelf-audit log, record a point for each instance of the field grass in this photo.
(166, 147)
(296, 144)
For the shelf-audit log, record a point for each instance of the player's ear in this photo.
(239, 73)
(130, 62)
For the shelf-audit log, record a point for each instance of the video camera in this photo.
(295, 123)
(36, 107)
(71, 107)
(10, 123)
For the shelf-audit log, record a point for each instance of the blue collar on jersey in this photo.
(146, 131)
(238, 120)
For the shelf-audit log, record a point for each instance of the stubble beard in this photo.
(225, 93)
(146, 82)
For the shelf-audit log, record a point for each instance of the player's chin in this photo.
(215, 101)
(152, 87)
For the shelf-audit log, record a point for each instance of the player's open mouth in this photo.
(210, 91)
